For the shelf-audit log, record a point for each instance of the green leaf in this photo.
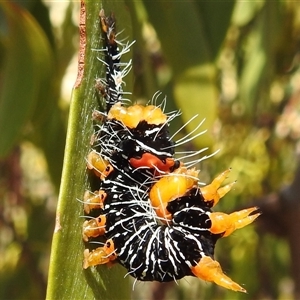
(196, 94)
(259, 63)
(67, 278)
(191, 34)
(180, 32)
(245, 11)
(215, 18)
(28, 64)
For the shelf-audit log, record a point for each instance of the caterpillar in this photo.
(148, 208)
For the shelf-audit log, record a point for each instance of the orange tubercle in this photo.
(213, 192)
(210, 270)
(222, 222)
(173, 185)
(170, 187)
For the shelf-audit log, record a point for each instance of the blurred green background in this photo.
(234, 63)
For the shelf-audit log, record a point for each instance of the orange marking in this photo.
(151, 161)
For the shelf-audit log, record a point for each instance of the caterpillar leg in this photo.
(99, 256)
(93, 200)
(210, 270)
(222, 222)
(94, 227)
(213, 192)
(99, 165)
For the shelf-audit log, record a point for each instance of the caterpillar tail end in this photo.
(224, 223)
(107, 23)
(210, 270)
(213, 192)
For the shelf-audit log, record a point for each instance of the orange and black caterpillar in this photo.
(148, 207)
